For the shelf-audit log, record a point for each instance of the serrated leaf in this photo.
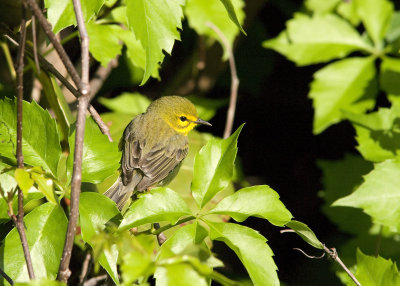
(104, 36)
(340, 178)
(95, 212)
(23, 180)
(200, 13)
(379, 194)
(376, 16)
(310, 40)
(378, 133)
(155, 24)
(178, 275)
(47, 226)
(305, 233)
(258, 201)
(130, 103)
(213, 167)
(100, 156)
(60, 13)
(160, 204)
(390, 75)
(251, 248)
(376, 271)
(41, 147)
(341, 86)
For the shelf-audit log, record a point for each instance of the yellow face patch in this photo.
(183, 123)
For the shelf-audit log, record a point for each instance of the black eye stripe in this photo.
(183, 118)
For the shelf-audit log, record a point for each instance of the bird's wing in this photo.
(157, 164)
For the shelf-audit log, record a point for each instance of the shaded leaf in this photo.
(40, 148)
(258, 201)
(376, 271)
(199, 13)
(318, 6)
(376, 16)
(160, 204)
(390, 75)
(305, 233)
(47, 226)
(310, 40)
(155, 25)
(251, 248)
(100, 156)
(213, 167)
(4, 217)
(341, 86)
(379, 194)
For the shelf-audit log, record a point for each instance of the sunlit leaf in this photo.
(23, 180)
(47, 226)
(160, 204)
(100, 156)
(341, 86)
(41, 282)
(258, 201)
(309, 40)
(305, 233)
(7, 179)
(41, 147)
(318, 6)
(155, 24)
(213, 167)
(379, 194)
(129, 103)
(390, 75)
(178, 275)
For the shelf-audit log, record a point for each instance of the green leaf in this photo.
(379, 194)
(213, 167)
(393, 32)
(378, 133)
(207, 107)
(251, 248)
(258, 201)
(341, 86)
(390, 75)
(4, 217)
(318, 6)
(23, 180)
(60, 13)
(376, 16)
(200, 13)
(305, 233)
(41, 282)
(40, 148)
(376, 271)
(95, 212)
(178, 275)
(160, 204)
(155, 24)
(348, 10)
(104, 36)
(129, 103)
(45, 232)
(310, 40)
(340, 178)
(45, 186)
(7, 179)
(100, 156)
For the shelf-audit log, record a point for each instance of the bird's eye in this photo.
(183, 118)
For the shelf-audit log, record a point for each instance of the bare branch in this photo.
(34, 40)
(85, 268)
(234, 81)
(100, 76)
(9, 280)
(310, 256)
(19, 220)
(103, 127)
(93, 281)
(83, 104)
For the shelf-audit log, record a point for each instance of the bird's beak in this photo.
(201, 121)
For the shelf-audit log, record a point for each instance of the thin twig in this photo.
(19, 220)
(234, 81)
(9, 280)
(309, 256)
(48, 67)
(85, 269)
(93, 281)
(100, 76)
(333, 254)
(34, 41)
(83, 104)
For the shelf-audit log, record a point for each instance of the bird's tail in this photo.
(120, 193)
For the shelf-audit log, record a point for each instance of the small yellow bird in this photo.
(153, 146)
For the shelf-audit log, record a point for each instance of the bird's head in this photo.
(178, 112)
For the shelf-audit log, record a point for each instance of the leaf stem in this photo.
(223, 280)
(168, 226)
(9, 60)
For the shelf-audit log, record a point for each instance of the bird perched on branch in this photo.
(153, 146)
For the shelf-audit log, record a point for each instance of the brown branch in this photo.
(83, 103)
(100, 76)
(85, 269)
(161, 238)
(8, 279)
(48, 67)
(34, 41)
(234, 81)
(19, 219)
(93, 281)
